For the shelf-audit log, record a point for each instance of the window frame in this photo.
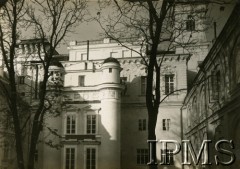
(81, 80)
(165, 158)
(143, 85)
(169, 82)
(21, 79)
(142, 154)
(190, 23)
(65, 156)
(66, 124)
(166, 124)
(142, 124)
(86, 124)
(85, 156)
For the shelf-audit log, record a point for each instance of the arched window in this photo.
(194, 109)
(216, 83)
(202, 104)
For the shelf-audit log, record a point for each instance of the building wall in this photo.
(130, 108)
(211, 105)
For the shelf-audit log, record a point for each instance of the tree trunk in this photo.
(152, 121)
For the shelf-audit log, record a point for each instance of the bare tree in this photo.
(155, 26)
(52, 20)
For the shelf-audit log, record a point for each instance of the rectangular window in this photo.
(84, 56)
(36, 156)
(21, 79)
(114, 54)
(190, 23)
(91, 158)
(76, 96)
(167, 157)
(110, 70)
(70, 158)
(126, 53)
(143, 84)
(142, 124)
(166, 124)
(169, 84)
(142, 156)
(91, 124)
(71, 124)
(81, 80)
(123, 80)
(216, 87)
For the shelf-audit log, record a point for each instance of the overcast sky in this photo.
(85, 31)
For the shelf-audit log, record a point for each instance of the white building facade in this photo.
(103, 120)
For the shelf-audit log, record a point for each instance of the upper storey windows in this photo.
(81, 81)
(190, 23)
(169, 84)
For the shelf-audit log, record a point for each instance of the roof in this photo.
(111, 59)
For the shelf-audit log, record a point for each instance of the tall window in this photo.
(71, 124)
(91, 158)
(190, 23)
(143, 84)
(216, 84)
(91, 124)
(21, 79)
(36, 155)
(169, 84)
(167, 157)
(70, 158)
(166, 124)
(142, 156)
(81, 80)
(142, 124)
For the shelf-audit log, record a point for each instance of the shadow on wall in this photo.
(190, 78)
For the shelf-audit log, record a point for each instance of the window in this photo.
(143, 84)
(81, 80)
(123, 80)
(169, 84)
(85, 66)
(166, 124)
(216, 84)
(142, 156)
(167, 157)
(91, 124)
(71, 124)
(113, 54)
(76, 96)
(190, 23)
(84, 56)
(91, 158)
(21, 79)
(142, 124)
(36, 155)
(70, 158)
(110, 70)
(126, 53)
